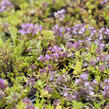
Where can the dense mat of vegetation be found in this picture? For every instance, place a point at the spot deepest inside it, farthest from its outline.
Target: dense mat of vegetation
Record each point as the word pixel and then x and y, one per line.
pixel 54 54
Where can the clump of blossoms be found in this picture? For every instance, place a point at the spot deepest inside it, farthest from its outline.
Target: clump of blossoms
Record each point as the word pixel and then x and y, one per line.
pixel 79 30
pixel 31 81
pixel 93 32
pixel 47 88
pixel 58 31
pixel 2 94
pixel 67 95
pixel 4 4
pixel 60 14
pixel 105 86
pixel 3 84
pixel 84 30
pixel 104 58
pixel 29 104
pixel 29 28
pixel 103 2
pixel 103 33
pixel 56 102
pixel 77 44
pixel 53 53
pixel 85 88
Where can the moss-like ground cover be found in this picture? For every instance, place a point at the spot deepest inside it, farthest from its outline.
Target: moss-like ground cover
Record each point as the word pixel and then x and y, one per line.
pixel 54 54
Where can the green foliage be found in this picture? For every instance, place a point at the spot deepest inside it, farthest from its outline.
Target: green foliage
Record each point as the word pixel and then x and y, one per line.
pixel 13 32
pixel 44 67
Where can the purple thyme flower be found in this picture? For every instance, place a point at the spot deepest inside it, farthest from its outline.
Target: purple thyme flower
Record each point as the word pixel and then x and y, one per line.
pixel 101 68
pixel 86 84
pixel 92 62
pixel 78 29
pixel 32 66
pixel 49 67
pixel 36 28
pixel 69 97
pixel 64 54
pixel 1 94
pixel 31 81
pixel 60 14
pixel 106 82
pixel 4 4
pixel 85 64
pixel 2 84
pixel 47 57
pixel 89 88
pixel 103 32
pixel 41 58
pixel 26 100
pixel 27 28
pixel 67 29
pixel 101 45
pixel 105 92
pixel 62 79
pixel 56 102
pixel 28 103
pixel 93 31
pixel 69 44
pixel 77 44
pixel 84 76
pixel 31 106
pixel 101 58
pixel 52 75
pixel 56 49
pixel 91 93
pixel 107 107
pixel 98 50
pixel 43 70
pixel 48 89
pixel 76 95
pixel 58 31
pixel 103 2
pixel 105 86
pixel 56 55
pixel 94 82
pixel 78 81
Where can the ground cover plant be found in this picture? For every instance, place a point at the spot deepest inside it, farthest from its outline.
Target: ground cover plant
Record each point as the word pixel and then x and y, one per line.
pixel 54 54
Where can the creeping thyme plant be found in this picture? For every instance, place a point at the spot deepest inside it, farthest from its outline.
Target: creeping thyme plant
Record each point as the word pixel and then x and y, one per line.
pixel 54 54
